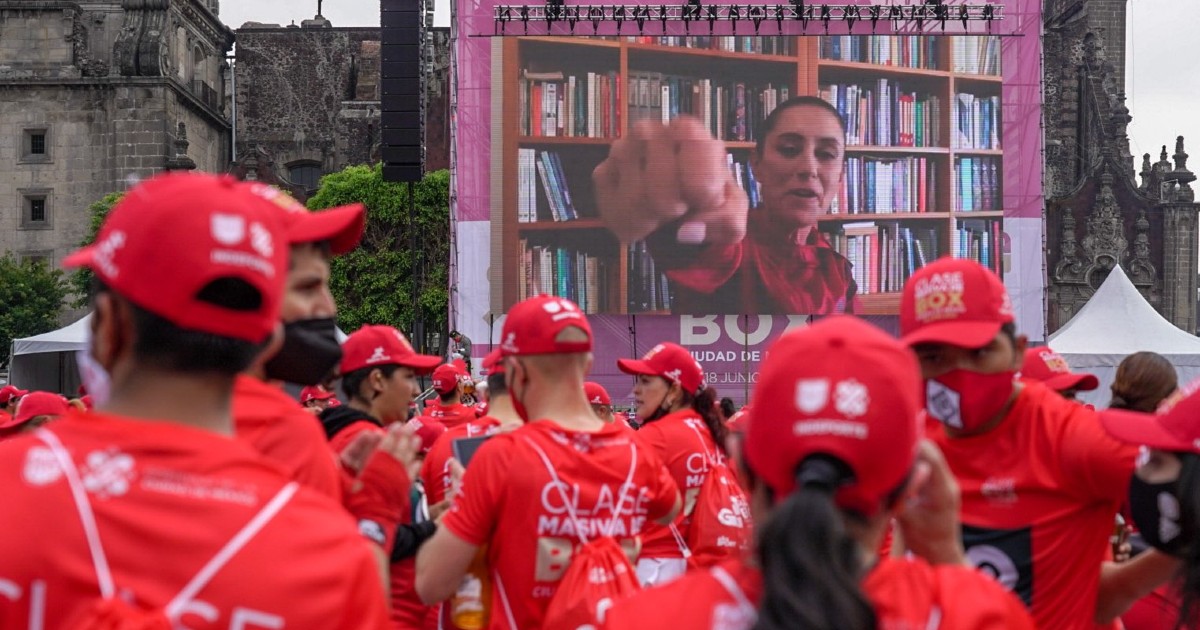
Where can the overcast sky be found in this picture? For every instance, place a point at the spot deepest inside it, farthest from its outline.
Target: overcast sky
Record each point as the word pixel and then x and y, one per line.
pixel 1162 80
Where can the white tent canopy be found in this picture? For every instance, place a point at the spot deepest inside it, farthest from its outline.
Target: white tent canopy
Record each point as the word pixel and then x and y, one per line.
pixel 47 361
pixel 1115 323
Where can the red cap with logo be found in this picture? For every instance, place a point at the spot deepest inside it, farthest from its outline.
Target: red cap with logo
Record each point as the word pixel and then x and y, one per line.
pixel 314 392
pixel 670 361
pixel 373 346
pixel 534 326
pixel 37 404
pixel 859 403
pixel 1047 366
pixel 446 378
pixel 1174 427
pixel 954 301
pixel 341 227
pixel 9 392
pixel 428 429
pixel 596 394
pixel 174 243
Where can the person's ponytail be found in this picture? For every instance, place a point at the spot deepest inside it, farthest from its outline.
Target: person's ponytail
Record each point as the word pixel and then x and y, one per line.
pixel 811 566
pixel 1188 494
pixel 705 404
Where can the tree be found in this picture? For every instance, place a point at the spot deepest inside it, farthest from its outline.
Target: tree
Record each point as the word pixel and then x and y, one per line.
pixel 32 294
pixel 81 279
pixel 375 283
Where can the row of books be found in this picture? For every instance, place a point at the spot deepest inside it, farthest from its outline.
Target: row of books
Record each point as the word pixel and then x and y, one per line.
pixel 536 167
pixel 730 109
pixel 740 168
pixel 976 121
pixel 884 186
pixel 884 255
pixel 758 45
pixel 578 105
pixel 977 184
pixel 648 288
pixel 903 51
pixel 573 274
pixel 977 240
pixel 884 114
pixel 976 55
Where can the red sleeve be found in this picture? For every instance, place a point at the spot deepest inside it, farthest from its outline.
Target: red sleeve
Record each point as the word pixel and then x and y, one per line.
pixel 651 439
pixel 479 502
pixel 344 437
pixel 433 470
pixel 702 269
pixel 969 599
pixel 1096 466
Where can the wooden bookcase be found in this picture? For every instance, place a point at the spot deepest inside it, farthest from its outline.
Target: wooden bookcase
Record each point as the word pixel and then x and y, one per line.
pixel 803 71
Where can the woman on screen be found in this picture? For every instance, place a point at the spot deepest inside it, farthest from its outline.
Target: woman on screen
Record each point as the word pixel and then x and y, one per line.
pixel 671 186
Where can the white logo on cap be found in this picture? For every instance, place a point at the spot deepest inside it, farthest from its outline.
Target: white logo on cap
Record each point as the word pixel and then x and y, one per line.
pixel 107 473
pixel 41 467
pixel 812 395
pixel 402 340
pixel 510 343
pixel 674 375
pixel 378 356
pixel 851 398
pixel 105 250
pixel 261 241
pixel 596 400
pixel 228 229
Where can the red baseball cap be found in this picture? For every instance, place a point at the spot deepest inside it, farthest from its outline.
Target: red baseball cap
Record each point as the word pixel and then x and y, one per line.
pixel 172 237
pixel 1174 427
pixel 9 392
pixel 1047 366
pixel 737 422
pixel 428 429
pixel 446 377
pixel 954 301
pixel 342 226
pixel 859 403
pixel 492 363
pixel 314 392
pixel 37 404
pixel 670 361
pixel 372 346
pixel 596 394
pixel 533 327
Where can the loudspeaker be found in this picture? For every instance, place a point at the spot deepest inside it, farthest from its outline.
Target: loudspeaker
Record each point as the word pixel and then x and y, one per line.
pixel 402 89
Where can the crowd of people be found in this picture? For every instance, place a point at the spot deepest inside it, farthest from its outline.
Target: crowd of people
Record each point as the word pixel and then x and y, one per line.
pixel 943 479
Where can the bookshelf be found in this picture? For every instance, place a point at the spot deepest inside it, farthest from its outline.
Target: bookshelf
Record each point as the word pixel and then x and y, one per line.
pixel 923 175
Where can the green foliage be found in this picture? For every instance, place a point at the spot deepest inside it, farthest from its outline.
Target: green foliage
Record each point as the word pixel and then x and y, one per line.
pixel 32 295
pixel 81 279
pixel 375 283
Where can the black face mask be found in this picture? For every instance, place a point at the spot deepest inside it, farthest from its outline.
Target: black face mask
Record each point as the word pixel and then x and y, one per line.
pixel 1155 510
pixel 310 352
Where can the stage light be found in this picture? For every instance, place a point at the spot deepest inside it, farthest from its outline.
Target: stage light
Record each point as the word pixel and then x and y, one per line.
pixel 851 15
pixel 941 13
pixel 639 15
pixel 524 12
pixel 779 17
pixel 712 17
pixel 874 12
pixel 757 15
pixel 662 13
pixel 619 16
pixel 826 15
pixel 964 15
pixel 596 15
pixel 735 14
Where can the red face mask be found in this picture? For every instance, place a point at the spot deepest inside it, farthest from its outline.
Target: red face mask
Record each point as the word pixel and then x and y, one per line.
pixel 965 400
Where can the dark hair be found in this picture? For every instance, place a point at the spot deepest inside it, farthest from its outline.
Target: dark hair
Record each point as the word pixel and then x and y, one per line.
pixel 496 383
pixel 352 381
pixel 727 407
pixel 1142 381
pixel 811 566
pixel 705 404
pixel 448 396
pixel 768 125
pixel 162 345
pixel 1188 494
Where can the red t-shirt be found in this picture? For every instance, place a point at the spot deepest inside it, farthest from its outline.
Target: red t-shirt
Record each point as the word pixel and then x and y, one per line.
pixel 278 427
pixel 906 594
pixel 684 444
pixel 166 499
pixel 1039 493
pixel 510 502
pixel 435 472
pixel 450 415
pixel 343 438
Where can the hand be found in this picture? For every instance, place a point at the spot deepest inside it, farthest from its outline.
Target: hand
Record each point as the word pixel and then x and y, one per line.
pixel 354 456
pixel 929 519
pixel 437 510
pixel 402 444
pixel 665 173
pixel 456 474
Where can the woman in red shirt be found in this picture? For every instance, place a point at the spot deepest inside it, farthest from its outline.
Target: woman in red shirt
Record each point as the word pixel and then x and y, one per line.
pixel 830 452
pixel 680 423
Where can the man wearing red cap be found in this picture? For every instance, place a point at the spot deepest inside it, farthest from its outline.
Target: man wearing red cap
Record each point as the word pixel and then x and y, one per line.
pixel 10 395
pixel 520 486
pixel 448 409
pixel 1050 369
pixel 599 399
pixel 1041 481
pixel 173 518
pixel 33 411
pixel 316 399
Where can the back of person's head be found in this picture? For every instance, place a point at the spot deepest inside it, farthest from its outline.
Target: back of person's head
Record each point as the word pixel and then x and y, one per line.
pixel 446 382
pixel 1143 380
pixel 728 408
pixel 194 264
pixel 832 435
pixel 547 332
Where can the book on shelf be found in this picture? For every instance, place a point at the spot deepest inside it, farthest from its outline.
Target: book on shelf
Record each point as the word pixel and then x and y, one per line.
pixel 977 184
pixel 976 55
pixel 884 254
pixel 873 185
pixel 884 113
pixel 731 110
pixel 542 172
pixel 648 288
pixel 978 239
pixel 902 51
pixel 976 121
pixel 582 105
pixel 744 176
pixel 576 275
pixel 756 45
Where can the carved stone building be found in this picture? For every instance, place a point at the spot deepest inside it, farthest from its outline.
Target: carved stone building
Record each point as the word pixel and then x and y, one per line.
pixel 1097 214
pixel 96 95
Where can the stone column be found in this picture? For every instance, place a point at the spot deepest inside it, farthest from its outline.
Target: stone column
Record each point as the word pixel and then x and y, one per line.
pixel 1179 264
